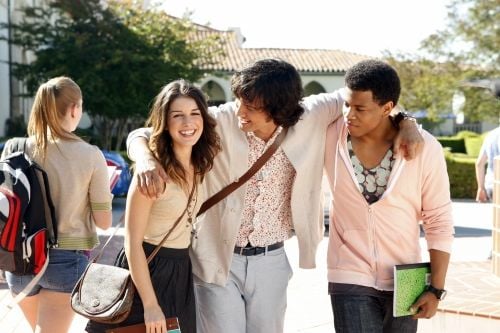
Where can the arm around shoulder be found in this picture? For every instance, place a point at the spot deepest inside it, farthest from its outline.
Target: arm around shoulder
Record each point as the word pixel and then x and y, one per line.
pixel 137 143
pixel 151 176
pixel 327 106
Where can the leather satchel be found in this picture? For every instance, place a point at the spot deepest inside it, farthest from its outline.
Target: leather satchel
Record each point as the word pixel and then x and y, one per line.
pixel 105 293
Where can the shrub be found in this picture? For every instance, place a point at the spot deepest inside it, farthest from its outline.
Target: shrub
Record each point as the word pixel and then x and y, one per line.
pixel 466 134
pixel 462 175
pixel 456 145
pixel 15 126
pixel 466 142
pixel 473 145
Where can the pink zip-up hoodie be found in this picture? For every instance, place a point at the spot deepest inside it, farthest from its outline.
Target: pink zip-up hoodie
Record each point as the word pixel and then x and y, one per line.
pixel 366 241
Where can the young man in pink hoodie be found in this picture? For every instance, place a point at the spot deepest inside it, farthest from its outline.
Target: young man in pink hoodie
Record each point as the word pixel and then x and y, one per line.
pixel 378 203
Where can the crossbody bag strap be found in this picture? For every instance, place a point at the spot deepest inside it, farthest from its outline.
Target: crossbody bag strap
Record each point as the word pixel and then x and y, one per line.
pixel 122 220
pixel 214 199
pixel 115 230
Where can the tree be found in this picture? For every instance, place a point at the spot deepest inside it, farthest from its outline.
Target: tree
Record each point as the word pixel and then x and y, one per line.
pixel 118 53
pixel 426 84
pixel 471 41
pixel 466 49
pixel 472 35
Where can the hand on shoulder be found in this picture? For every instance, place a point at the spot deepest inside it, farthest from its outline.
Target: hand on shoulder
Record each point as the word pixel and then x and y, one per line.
pixel 151 177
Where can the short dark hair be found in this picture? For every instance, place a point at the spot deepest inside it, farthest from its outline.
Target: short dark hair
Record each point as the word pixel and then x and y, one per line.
pixel 375 76
pixel 275 84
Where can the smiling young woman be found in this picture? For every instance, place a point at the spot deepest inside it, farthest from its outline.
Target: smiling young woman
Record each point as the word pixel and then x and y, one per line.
pixel 184 141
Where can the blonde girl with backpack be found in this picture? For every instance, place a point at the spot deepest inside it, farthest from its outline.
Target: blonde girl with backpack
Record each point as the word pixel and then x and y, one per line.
pixel 80 190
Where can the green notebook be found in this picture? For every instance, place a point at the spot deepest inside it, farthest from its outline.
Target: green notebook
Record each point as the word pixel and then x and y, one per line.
pixel 410 282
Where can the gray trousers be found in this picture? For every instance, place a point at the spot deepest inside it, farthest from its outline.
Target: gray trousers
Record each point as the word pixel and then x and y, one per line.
pixel 253 299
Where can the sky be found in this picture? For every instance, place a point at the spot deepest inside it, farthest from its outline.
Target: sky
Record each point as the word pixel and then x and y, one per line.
pixel 365 27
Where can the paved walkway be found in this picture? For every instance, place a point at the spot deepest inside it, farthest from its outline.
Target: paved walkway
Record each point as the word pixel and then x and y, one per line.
pixel 474 292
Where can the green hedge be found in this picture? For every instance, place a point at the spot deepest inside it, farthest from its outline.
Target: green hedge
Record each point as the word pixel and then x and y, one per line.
pixel 473 146
pixel 466 134
pixel 461 151
pixel 462 174
pixel 465 142
pixel 456 145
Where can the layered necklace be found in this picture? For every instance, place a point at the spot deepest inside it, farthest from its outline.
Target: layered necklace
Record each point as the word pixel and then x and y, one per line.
pixel 193 198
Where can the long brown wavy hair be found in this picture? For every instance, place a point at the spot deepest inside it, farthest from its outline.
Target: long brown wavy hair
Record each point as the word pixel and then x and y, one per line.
pixel 160 142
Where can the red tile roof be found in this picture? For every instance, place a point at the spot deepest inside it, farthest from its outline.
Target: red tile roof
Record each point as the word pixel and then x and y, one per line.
pixel 305 60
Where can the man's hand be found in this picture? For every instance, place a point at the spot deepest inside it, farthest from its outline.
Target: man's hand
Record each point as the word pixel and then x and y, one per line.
pixel 426 306
pixel 409 141
pixel 151 177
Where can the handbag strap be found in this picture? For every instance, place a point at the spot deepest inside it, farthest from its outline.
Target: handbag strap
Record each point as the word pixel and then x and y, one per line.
pixel 115 230
pixel 150 257
pixel 246 176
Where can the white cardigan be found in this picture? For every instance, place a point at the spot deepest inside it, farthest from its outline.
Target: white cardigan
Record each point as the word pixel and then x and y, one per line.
pixel 304 146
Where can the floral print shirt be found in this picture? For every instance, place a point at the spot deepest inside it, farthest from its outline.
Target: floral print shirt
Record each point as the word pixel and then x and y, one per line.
pixel 267 213
pixel 372 182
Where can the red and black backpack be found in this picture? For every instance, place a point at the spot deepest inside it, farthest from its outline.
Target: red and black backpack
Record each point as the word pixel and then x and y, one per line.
pixel 27 217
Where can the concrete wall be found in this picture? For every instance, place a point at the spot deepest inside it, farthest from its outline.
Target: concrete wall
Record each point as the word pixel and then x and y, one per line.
pixel 4 72
pixel 495 231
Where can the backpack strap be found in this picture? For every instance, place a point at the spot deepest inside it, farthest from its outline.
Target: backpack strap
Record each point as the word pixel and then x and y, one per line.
pixel 51 225
pixel 18 144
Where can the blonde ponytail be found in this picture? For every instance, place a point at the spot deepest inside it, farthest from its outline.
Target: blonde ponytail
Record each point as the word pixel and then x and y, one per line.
pixel 51 103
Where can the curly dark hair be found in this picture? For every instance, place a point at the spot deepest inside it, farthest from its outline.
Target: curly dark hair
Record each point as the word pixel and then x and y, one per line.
pixel 160 142
pixel 276 85
pixel 375 76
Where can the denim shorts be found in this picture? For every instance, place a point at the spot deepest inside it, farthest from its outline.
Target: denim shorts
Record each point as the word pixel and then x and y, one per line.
pixel 63 271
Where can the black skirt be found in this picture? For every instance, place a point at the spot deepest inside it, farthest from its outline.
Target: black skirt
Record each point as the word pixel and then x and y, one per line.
pixel 172 279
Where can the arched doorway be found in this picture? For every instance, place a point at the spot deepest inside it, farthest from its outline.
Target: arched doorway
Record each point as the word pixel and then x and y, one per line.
pixel 215 93
pixel 313 88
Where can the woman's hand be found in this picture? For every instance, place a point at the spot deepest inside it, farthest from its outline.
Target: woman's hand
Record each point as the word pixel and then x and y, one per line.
pixel 154 319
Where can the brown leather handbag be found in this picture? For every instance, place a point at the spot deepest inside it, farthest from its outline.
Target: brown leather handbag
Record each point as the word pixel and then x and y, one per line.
pixel 105 293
